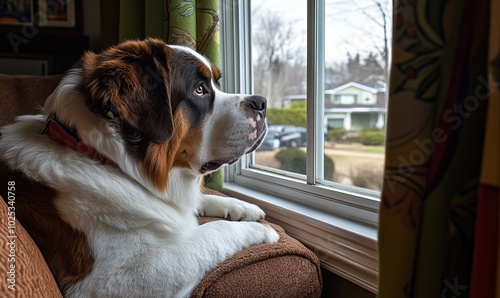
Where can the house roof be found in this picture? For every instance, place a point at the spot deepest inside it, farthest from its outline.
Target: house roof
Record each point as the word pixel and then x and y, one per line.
pixel 377 87
pixel 352 84
pixel 295 97
pixel 355 109
pixel 380 85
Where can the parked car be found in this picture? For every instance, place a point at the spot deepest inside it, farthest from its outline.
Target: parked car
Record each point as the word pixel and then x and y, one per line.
pixel 294 137
pixel 284 136
pixel 271 141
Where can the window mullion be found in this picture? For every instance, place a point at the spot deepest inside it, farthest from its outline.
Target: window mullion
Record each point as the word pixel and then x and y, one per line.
pixel 245 55
pixel 315 89
pixel 236 52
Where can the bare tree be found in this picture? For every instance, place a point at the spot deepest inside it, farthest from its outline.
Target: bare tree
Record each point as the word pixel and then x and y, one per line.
pixel 378 13
pixel 382 19
pixel 279 63
pixel 366 69
pixel 279 52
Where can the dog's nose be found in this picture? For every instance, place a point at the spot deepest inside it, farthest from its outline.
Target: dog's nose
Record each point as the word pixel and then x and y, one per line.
pixel 256 102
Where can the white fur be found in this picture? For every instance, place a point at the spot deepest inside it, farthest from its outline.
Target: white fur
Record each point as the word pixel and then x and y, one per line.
pixel 145 243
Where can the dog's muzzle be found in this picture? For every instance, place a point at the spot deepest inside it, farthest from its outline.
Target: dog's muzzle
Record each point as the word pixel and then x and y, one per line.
pixel 256 120
pixel 233 136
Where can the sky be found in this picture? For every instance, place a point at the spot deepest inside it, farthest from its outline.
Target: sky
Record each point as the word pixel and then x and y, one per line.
pixel 349 24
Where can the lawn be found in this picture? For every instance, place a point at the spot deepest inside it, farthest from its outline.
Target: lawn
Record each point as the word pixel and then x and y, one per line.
pixel 357 147
pixel 354 164
pixel 354 170
pixel 373 149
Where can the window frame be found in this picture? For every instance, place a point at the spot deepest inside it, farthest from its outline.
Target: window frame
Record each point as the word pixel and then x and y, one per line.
pixel 335 222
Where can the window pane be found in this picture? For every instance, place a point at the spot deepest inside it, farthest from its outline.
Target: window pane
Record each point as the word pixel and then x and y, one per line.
pixel 279 71
pixel 357 43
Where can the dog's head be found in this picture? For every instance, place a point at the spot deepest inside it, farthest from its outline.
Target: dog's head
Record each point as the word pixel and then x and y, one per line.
pixel 163 105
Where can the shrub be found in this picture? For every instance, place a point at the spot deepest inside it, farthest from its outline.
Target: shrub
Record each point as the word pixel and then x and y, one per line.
pixel 372 137
pixel 336 134
pixel 295 115
pixel 329 168
pixel 286 117
pixel 367 176
pixel 294 160
pixel 360 181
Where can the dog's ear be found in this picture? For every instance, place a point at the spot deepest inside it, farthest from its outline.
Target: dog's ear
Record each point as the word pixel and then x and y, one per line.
pixel 131 82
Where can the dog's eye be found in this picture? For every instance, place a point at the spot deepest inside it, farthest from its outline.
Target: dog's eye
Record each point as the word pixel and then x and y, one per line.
pixel 199 90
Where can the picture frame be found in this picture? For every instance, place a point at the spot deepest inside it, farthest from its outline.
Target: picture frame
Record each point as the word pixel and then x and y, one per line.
pixel 56 13
pixel 17 12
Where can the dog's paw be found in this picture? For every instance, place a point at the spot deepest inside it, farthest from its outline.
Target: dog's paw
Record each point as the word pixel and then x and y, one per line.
pixel 271 236
pixel 261 233
pixel 256 233
pixel 243 211
pixel 231 209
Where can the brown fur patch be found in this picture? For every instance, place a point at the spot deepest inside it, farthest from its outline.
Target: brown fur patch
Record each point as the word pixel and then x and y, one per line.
pixel 157 164
pixel 131 81
pixel 179 151
pixel 205 70
pixel 216 73
pixel 65 250
pixel 188 148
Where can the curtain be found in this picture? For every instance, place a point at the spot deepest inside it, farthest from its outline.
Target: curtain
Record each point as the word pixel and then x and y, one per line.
pixel 439 212
pixel 190 23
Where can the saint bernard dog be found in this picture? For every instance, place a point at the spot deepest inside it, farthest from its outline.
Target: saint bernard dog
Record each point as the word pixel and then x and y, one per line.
pixel 108 178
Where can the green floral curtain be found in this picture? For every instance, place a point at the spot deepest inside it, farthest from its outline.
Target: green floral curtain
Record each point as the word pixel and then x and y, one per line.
pixel 194 24
pixel 190 23
pixel 439 213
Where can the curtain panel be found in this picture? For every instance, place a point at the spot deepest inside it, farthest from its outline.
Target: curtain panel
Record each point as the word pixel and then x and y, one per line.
pixel 438 223
pixel 190 23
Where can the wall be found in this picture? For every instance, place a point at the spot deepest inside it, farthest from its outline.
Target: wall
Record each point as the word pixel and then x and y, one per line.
pixel 360 121
pixel 92 23
pixel 360 95
pixel 335 286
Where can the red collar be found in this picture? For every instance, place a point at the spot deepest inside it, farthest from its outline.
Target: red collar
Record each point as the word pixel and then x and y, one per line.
pixel 68 137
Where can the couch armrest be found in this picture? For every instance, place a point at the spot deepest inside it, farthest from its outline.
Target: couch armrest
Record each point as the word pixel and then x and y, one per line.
pixel 30 276
pixel 285 269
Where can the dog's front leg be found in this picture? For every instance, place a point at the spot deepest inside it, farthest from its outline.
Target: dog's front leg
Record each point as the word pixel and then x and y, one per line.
pixel 229 208
pixel 213 242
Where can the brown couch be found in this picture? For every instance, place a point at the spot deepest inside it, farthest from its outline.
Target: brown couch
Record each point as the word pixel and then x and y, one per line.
pixel 285 269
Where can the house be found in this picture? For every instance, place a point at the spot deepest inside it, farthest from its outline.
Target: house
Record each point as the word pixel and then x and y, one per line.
pixel 356 105
pixel 352 106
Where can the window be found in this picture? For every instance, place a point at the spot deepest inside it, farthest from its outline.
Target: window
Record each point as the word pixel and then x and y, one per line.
pixel 336 99
pixel 346 99
pixel 351 155
pixel 316 62
pixel 368 98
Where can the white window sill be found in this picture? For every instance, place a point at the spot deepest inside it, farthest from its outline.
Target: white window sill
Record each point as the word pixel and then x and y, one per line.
pixel 344 247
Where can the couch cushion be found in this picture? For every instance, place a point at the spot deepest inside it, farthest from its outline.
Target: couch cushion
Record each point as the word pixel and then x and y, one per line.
pixel 32 277
pixel 20 94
